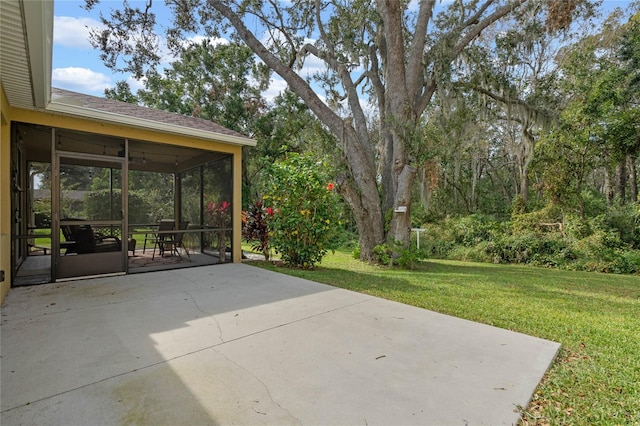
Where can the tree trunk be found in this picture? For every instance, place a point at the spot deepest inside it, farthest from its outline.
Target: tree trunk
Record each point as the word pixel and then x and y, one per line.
pixel 525 155
pixel 621 180
pixel 608 186
pixel 400 225
pixel 633 179
pixel 370 227
pixel 398 123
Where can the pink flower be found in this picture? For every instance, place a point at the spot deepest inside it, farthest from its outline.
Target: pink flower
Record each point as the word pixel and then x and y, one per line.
pixel 330 186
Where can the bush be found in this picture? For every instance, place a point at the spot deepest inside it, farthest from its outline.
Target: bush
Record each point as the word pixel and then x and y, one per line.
pixel 356 252
pixel 477 253
pixel 255 228
pixel 541 250
pixel 304 222
pixel 42 213
pixel 533 222
pixel 473 229
pixel 397 254
pixel 382 254
pixel 625 220
pixel 604 243
pixel 578 228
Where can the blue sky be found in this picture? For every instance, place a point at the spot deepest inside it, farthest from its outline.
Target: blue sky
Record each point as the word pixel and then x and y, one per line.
pixel 77 66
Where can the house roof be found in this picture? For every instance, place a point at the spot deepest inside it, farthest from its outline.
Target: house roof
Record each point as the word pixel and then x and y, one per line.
pixel 26 40
pixel 109 110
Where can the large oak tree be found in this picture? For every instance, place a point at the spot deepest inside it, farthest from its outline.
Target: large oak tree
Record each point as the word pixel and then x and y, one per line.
pixel 385 56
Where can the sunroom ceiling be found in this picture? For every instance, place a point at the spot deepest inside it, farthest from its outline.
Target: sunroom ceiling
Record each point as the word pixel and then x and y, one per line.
pixel 143 155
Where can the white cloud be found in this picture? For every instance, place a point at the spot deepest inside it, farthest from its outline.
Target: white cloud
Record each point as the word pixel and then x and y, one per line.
pixel 276 86
pixel 81 80
pixel 198 39
pixel 73 32
pixel 136 84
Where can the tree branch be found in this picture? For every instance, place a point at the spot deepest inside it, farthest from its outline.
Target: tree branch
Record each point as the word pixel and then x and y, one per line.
pixel 481 25
pixel 416 52
pixel 298 85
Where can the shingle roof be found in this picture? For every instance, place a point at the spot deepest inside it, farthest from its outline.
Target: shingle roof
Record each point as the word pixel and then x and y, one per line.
pixel 112 107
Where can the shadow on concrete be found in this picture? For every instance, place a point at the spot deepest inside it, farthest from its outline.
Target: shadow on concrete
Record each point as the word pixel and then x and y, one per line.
pixel 88 349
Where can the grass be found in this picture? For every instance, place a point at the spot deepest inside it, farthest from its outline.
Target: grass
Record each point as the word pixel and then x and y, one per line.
pixel 596 318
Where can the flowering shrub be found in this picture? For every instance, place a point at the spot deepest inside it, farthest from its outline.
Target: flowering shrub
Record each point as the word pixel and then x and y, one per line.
pixel 255 228
pixel 304 219
pixel 219 214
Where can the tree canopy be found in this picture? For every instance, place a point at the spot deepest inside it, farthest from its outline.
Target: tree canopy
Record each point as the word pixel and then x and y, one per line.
pixel 387 69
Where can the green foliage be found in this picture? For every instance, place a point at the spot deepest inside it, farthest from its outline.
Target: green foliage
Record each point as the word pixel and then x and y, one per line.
pixel 531 248
pixel 519 206
pixel 470 230
pixel 578 228
pixel 538 220
pixel 255 228
pixel 42 213
pixel 122 92
pixel 398 254
pixel 625 219
pixel 303 200
pixel 408 257
pixel 598 126
pixel 355 253
pixel 546 237
pixel 383 254
pixel 106 205
pixel 214 82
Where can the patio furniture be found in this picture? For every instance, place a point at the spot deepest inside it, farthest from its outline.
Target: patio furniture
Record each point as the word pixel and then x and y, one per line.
pixel 175 240
pixel 131 246
pixel 82 239
pixel 159 237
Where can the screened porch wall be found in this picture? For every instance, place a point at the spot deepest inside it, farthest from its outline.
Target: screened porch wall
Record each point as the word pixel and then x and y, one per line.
pixel 206 193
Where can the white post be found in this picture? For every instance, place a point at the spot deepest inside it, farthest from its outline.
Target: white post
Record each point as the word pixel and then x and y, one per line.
pixel 418 231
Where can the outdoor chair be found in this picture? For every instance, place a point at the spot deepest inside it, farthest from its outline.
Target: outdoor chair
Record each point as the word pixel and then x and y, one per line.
pixel 175 240
pixel 82 239
pixel 159 238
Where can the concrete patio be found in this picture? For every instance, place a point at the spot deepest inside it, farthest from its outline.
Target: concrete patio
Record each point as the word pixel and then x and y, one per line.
pixel 235 344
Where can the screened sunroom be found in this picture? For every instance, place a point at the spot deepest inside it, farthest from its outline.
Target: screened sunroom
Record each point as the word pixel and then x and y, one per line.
pixel 92 203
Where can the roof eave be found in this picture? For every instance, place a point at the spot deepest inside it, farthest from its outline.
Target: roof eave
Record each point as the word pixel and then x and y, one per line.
pixel 113 118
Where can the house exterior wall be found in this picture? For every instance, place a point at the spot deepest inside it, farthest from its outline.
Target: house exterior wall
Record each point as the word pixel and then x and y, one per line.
pixel 75 123
pixel 5 194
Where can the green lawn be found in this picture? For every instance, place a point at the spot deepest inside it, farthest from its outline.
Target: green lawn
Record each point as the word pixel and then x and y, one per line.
pixel 596 318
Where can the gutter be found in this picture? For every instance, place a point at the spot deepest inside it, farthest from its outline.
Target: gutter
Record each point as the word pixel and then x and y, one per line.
pixel 38 22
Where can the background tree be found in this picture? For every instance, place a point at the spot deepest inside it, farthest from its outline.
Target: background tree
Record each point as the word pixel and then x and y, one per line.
pixel 122 92
pixel 599 122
